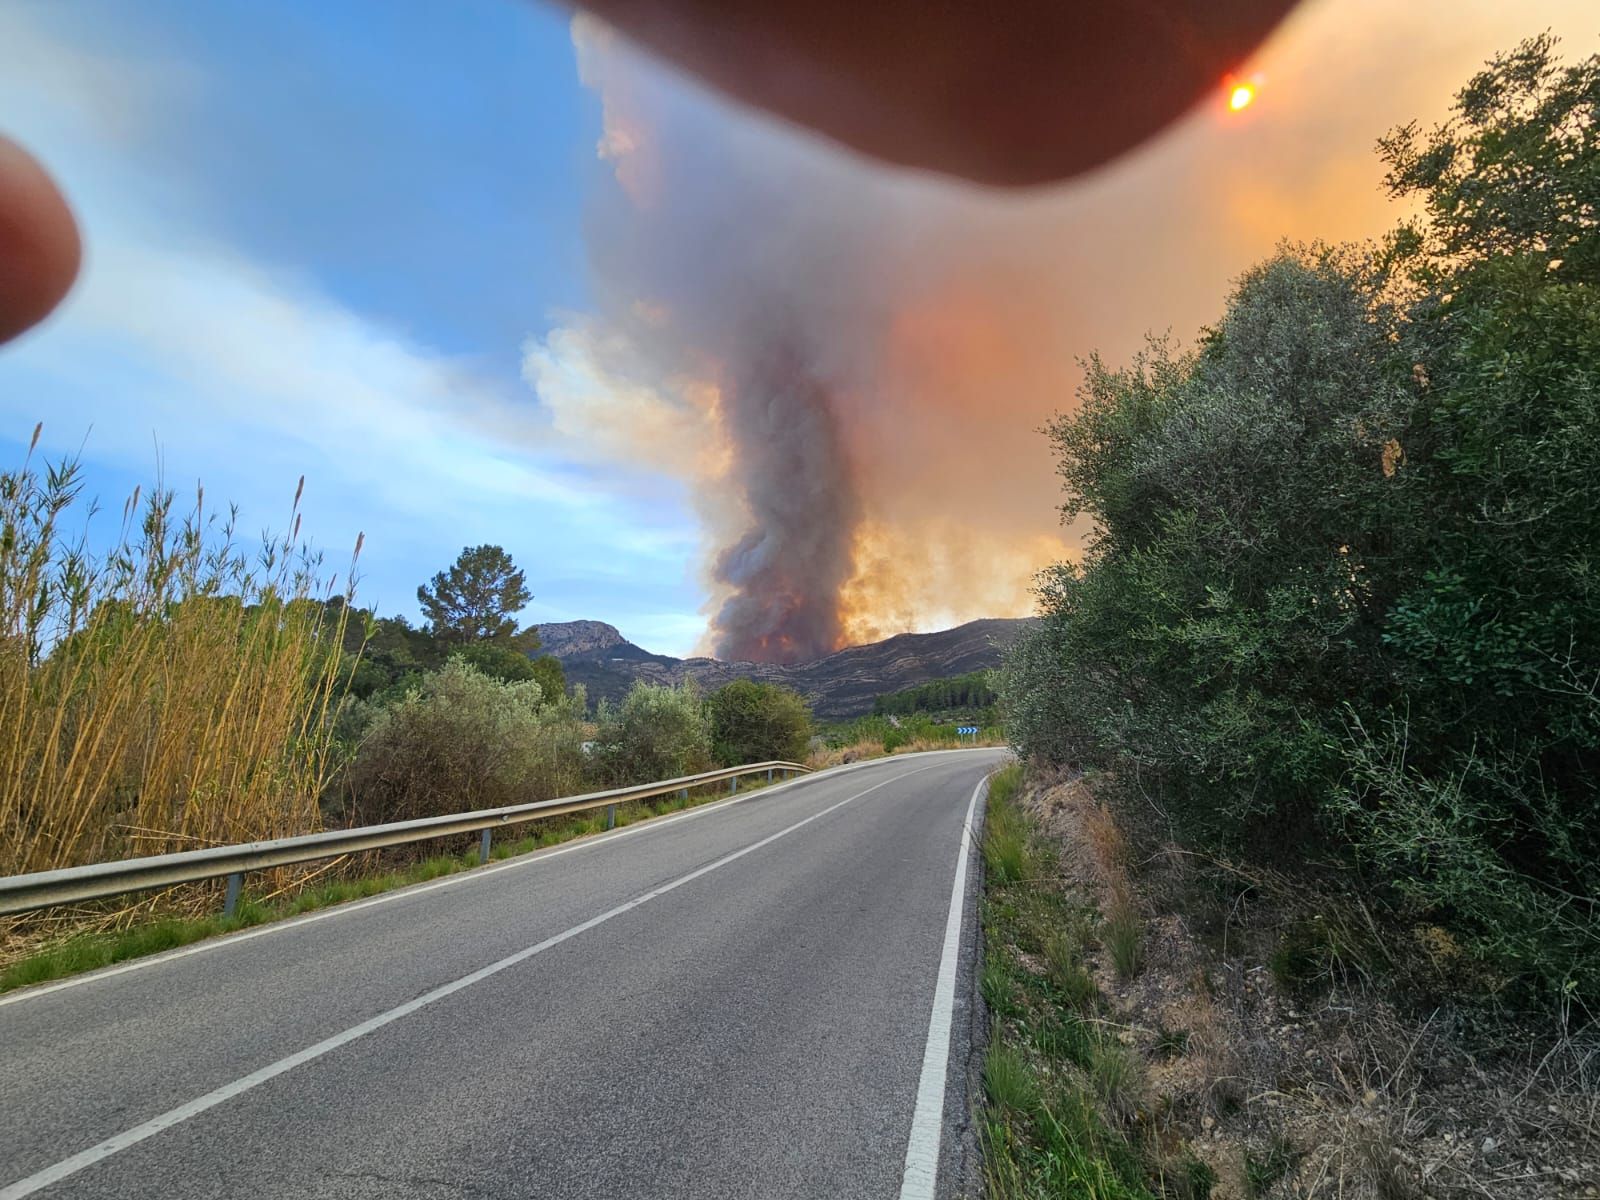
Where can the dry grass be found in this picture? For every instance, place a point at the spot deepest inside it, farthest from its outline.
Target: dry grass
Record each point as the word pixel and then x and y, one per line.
pixel 960 743
pixel 1287 1053
pixel 168 693
pixel 1124 931
pixel 834 756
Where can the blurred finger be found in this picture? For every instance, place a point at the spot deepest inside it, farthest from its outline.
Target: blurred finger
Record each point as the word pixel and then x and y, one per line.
pixel 1006 92
pixel 39 247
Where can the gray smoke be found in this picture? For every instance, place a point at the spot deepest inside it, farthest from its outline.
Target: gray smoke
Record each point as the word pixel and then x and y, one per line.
pixel 726 259
pixel 789 566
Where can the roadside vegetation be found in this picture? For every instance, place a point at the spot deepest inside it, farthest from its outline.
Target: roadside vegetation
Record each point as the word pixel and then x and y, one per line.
pixel 181 689
pixel 1341 603
pixel 876 735
pixel 1170 1025
pixel 1064 1113
pixel 172 692
pixel 177 686
pixel 756 722
pixel 1329 676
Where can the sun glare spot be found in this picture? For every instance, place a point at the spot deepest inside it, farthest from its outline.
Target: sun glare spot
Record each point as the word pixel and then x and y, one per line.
pixel 1241 97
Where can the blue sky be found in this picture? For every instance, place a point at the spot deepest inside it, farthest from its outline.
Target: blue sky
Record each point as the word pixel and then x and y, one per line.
pixel 319 237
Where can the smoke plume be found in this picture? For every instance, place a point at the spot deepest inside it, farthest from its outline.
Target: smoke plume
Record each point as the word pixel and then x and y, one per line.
pixel 849 366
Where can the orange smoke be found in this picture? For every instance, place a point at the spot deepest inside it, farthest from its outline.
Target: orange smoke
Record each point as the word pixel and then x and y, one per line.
pixel 885 348
pixel 939 573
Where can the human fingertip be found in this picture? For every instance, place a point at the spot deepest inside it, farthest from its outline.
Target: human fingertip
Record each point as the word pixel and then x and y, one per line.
pixel 40 250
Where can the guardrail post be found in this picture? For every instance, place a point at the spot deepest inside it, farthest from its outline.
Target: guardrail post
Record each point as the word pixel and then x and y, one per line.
pixel 230 902
pixel 733 785
pixel 483 846
pixel 684 795
pixel 769 774
pixel 611 816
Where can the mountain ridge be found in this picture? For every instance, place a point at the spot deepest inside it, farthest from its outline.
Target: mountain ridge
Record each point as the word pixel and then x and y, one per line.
pixel 841 684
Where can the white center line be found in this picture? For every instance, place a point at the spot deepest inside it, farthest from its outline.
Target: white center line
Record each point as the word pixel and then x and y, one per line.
pixel 927 1119
pixel 121 1141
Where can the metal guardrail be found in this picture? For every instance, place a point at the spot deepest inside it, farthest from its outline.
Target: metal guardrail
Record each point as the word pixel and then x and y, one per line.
pixel 42 889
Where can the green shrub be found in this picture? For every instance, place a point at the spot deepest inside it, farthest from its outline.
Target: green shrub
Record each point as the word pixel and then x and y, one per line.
pixel 1235 495
pixel 511 663
pixel 757 722
pixel 1194 1180
pixel 1443 842
pixel 1004 785
pixel 1264 1168
pixel 1066 1039
pixel 1308 952
pixel 657 732
pixel 1078 1156
pixel 461 741
pixel 1117 1076
pixel 1007 848
pixel 1170 1043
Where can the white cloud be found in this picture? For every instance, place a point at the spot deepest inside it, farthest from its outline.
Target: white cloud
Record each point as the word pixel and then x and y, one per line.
pixel 248 374
pixel 598 401
pixel 246 356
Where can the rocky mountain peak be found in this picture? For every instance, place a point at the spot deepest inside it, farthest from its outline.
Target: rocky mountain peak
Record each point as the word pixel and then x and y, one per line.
pixel 578 639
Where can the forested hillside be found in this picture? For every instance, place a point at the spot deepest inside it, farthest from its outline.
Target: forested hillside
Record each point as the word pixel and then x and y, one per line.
pixel 971 694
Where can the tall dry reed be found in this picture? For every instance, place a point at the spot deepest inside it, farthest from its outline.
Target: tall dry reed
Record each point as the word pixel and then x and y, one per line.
pixel 170 691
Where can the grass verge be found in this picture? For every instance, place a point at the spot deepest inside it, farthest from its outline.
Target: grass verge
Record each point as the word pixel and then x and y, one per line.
pixel 1062 1094
pixel 90 951
pixel 1171 1026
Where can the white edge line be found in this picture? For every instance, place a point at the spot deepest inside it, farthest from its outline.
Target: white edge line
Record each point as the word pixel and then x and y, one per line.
pixel 927 1118
pixel 138 1133
pixel 476 873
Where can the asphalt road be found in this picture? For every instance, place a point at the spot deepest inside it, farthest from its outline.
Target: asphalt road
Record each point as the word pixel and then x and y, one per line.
pixel 733 1002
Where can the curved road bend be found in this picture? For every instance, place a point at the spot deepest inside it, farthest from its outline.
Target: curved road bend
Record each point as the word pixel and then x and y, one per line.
pixel 734 1002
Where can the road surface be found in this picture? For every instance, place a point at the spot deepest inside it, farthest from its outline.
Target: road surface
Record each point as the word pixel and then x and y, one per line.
pixel 765 998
